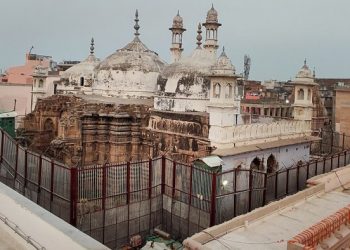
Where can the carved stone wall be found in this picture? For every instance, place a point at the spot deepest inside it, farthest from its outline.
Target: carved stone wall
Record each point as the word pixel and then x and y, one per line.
pixel 182 136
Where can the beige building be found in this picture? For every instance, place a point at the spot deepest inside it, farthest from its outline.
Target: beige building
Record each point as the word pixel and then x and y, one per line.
pixel 341 110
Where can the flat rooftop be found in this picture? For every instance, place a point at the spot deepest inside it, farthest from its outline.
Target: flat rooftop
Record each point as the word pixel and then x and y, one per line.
pixel 21 218
pixel 272 226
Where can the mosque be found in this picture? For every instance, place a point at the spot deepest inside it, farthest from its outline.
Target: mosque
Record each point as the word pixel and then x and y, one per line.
pixel 133 105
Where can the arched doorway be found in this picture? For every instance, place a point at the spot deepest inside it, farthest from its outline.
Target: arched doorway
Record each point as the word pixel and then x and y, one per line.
pixel 256 164
pixel 272 164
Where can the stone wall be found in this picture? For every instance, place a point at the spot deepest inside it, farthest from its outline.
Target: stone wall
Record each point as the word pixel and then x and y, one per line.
pixel 183 136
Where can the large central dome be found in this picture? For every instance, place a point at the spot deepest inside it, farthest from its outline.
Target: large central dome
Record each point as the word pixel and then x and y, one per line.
pixel 135 56
pixel 130 72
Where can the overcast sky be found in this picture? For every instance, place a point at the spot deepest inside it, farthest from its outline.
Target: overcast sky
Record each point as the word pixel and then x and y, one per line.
pixel 277 34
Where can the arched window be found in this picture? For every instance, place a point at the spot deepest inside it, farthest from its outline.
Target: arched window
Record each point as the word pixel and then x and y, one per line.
pixel 228 92
pixel 256 164
pixel 308 94
pixel 81 81
pixel 41 83
pixel 217 90
pixel 272 164
pixel 300 94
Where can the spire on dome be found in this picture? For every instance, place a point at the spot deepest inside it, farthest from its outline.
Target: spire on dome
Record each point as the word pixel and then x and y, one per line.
pixel 199 36
pixel 223 52
pixel 92 48
pixel 136 26
pixel 305 65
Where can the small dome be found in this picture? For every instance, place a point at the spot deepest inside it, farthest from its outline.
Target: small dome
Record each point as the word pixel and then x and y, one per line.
pixel 304 72
pixel 212 15
pixel 223 65
pixel 304 76
pixel 178 21
pixel 199 63
pixel 84 68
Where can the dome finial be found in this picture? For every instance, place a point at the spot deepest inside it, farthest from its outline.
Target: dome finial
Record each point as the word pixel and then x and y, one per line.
pixel 136 26
pixel 305 62
pixel 223 52
pixel 92 48
pixel 199 36
pixel 178 12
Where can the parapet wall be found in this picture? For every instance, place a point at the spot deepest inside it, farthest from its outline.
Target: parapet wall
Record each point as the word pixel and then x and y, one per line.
pixel 258 133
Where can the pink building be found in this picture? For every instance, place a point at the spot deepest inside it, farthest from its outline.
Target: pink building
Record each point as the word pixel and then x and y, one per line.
pixel 23 74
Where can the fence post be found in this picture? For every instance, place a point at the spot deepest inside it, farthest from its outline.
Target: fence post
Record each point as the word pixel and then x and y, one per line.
pixel 163 174
pixel 343 146
pixel 2 145
pixel 321 142
pixel 150 166
pixel 39 179
pixel 16 168
pixel 338 160
pixel 316 166
pixel 73 195
pixel 190 198
pixel 265 187
pixel 250 189
pixel 324 165
pixel 332 141
pixel 331 162
pixel 213 200
pixel 235 194
pixel 307 170
pixel 104 187
pixel 173 195
pixel 298 175
pixel 25 171
pixel 51 182
pixel 345 158
pixel 128 190
pixel 287 182
pixel 276 185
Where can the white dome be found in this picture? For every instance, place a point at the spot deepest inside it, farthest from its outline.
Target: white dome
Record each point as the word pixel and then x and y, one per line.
pixel 188 77
pixel 85 68
pixel 178 21
pixel 304 72
pixel 135 56
pixel 212 15
pixel 129 72
pixel 305 76
pixel 223 66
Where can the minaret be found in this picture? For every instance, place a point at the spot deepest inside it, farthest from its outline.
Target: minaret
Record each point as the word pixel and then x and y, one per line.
pixel 39 88
pixel 223 106
pixel 176 44
pixel 304 84
pixel 212 25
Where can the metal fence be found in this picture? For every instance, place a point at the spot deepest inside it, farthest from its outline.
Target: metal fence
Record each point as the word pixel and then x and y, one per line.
pixel 113 202
pixel 42 180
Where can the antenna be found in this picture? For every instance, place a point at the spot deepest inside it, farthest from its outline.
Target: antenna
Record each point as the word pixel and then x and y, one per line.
pixel 31 48
pixel 247 63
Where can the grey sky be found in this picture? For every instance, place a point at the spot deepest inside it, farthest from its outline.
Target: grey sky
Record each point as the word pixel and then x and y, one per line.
pixel 277 34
